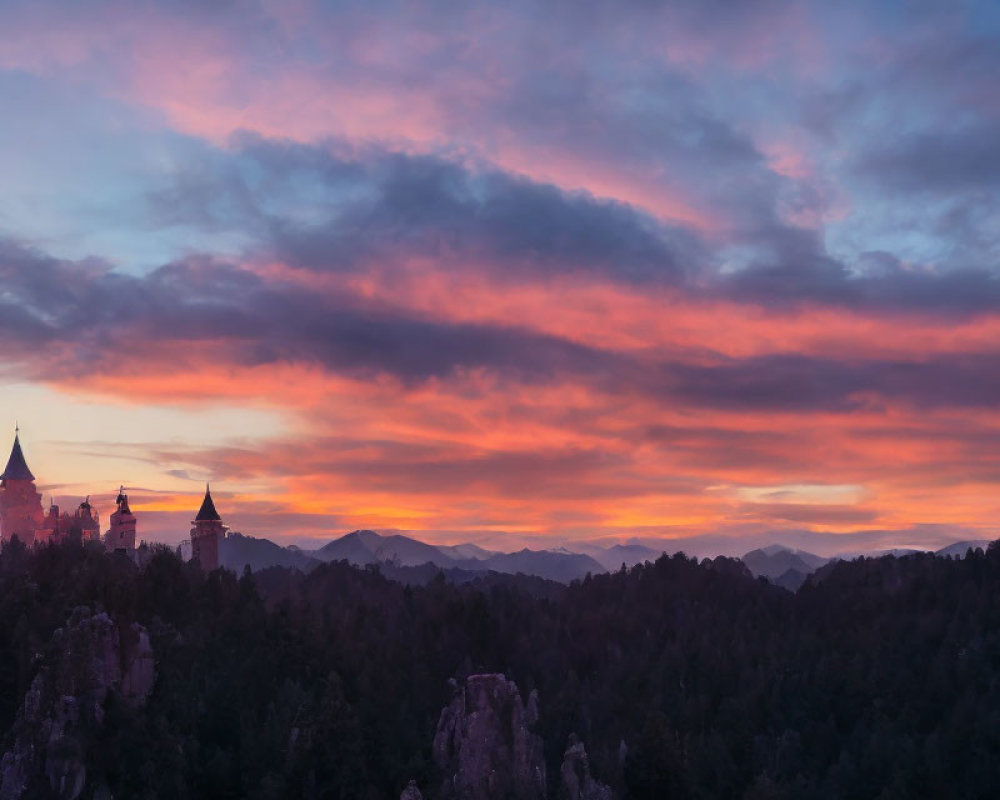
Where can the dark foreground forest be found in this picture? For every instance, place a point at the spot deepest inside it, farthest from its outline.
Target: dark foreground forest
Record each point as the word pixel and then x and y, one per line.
pixel 879 679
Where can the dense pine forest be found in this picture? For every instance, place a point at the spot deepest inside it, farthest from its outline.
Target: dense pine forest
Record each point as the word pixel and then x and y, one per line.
pixel 880 678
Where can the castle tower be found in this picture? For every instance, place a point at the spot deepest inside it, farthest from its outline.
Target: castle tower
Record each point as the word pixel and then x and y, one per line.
pixel 88 522
pixel 121 537
pixel 20 504
pixel 208 530
pixel 52 519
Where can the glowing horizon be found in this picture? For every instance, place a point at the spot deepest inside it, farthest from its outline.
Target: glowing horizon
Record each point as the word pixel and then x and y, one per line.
pixel 518 275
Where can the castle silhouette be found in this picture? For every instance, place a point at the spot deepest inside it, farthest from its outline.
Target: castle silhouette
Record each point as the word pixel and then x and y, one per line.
pixel 21 515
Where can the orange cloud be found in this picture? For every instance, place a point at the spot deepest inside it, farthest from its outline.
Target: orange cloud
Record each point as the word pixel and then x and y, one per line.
pixel 475 450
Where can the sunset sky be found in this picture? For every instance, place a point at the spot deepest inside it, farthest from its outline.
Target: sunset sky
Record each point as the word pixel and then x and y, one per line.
pixel 512 273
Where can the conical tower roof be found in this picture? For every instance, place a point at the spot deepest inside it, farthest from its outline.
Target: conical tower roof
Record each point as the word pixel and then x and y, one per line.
pixel 17 468
pixel 207 511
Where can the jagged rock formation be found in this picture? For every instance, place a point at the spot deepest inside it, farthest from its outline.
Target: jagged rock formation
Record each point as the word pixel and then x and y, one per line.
pixel 411 792
pixel 140 666
pixel 575 780
pixel 65 705
pixel 484 747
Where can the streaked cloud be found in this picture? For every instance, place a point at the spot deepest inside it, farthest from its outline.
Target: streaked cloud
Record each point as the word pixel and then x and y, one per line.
pixel 536 271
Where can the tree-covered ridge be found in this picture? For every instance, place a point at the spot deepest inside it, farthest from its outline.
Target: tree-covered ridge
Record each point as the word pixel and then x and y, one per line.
pixel 878 679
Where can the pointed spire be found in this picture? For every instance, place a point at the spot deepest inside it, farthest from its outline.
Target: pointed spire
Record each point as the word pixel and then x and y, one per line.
pixel 17 468
pixel 207 511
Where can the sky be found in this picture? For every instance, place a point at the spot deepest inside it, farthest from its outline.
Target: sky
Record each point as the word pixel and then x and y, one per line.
pixel 519 274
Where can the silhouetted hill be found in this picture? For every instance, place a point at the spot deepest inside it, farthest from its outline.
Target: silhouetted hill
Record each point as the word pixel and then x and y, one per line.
pixel 237 551
pixel 959 549
pixel 821 574
pixel 898 552
pixel 407 552
pixel 530 585
pixel 612 558
pixel 484 580
pixel 423 574
pixel 369 547
pixel 562 567
pixel 465 551
pixel 414 562
pixel 774 561
pixel 791 579
pixel 357 547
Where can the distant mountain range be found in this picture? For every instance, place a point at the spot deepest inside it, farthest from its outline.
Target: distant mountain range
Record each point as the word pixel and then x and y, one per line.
pixel 612 558
pixel 402 555
pixel 368 547
pixel 789 568
pixel 413 561
pixel 775 560
pixel 237 551
pixel 783 566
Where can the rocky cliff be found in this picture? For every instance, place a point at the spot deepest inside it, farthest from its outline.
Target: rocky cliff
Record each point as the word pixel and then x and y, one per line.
pixel 64 706
pixel 575 780
pixel 484 746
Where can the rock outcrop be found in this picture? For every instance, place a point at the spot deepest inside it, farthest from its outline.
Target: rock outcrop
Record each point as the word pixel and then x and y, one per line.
pixel 64 707
pixel 484 747
pixel 140 666
pixel 411 792
pixel 575 780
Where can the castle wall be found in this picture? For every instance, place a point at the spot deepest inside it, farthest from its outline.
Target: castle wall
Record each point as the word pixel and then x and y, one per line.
pixel 20 511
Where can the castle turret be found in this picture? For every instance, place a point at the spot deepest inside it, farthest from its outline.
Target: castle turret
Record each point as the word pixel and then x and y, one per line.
pixel 121 537
pixel 88 522
pixel 50 526
pixel 208 530
pixel 20 504
pixel 52 519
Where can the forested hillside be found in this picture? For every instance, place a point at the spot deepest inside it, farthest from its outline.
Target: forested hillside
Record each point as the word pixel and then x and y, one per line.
pixel 879 679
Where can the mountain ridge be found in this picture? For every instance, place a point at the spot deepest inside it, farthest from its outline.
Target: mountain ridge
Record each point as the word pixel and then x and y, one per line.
pixel 783 566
